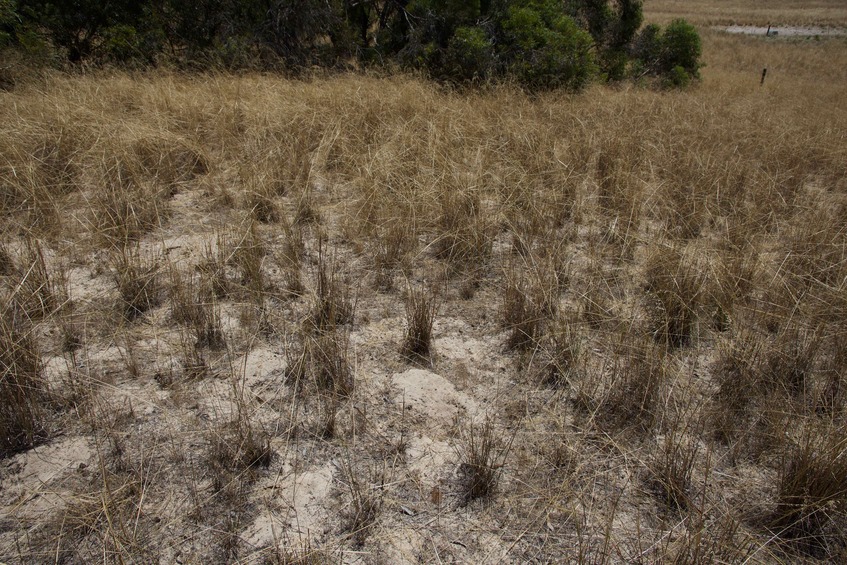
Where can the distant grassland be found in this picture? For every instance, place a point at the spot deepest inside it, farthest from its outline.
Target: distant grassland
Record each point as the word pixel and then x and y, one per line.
pixel 749 12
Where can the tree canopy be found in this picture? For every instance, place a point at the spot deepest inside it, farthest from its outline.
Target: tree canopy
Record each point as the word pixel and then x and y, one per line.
pixel 540 44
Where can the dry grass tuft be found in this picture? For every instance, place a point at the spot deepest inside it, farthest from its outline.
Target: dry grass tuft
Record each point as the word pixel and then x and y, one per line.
pixel 136 277
pixel 421 307
pixel 672 468
pixel 522 314
pixel 483 456
pixel 564 350
pixel 812 491
pixel 635 389
pixel 464 240
pixel 332 304
pixel 193 304
pixel 34 291
pixel 330 364
pixel 674 288
pixel 123 207
pixel 23 389
pixel 365 505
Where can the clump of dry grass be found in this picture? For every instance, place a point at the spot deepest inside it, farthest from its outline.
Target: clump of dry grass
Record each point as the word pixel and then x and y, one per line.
pixel 136 276
pixel 278 161
pixel 483 456
pixel 40 166
pixel 7 264
pixel 34 290
pixel 735 372
pixel 193 361
pixel 123 207
pixel 617 194
pixel 320 363
pixel 332 304
pixel 212 269
pixel 302 553
pixel 683 208
pixel 238 446
pixel 365 504
pixel 464 240
pixel 262 208
pixel 421 307
pixel 596 305
pixel 306 211
pixel 108 510
pixel 391 246
pixel 672 468
pixel 521 314
pixel 194 305
pixel 674 289
pixel 23 411
pixel 563 350
pixel 812 491
pixel 330 365
pixel 245 250
pixel 169 160
pixel 633 397
pixel 791 360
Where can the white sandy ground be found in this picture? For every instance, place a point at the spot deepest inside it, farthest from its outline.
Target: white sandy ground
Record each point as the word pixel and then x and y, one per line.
pixel 786 31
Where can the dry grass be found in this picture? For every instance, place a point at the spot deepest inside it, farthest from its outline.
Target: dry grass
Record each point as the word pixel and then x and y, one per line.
pixel 748 12
pixel 483 456
pixel 136 278
pixel 641 308
pixel 421 307
pixel 23 416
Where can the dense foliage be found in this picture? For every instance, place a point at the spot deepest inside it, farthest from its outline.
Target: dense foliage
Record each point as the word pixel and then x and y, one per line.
pixel 540 44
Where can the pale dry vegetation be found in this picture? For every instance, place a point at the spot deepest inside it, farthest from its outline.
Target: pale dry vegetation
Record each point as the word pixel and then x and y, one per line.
pixel 750 12
pixel 364 319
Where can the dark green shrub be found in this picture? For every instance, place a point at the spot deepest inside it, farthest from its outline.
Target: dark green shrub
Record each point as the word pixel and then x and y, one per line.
pixel 647 47
pixel 681 48
pixel 672 54
pixel 121 43
pixel 678 77
pixel 469 54
pixel 543 48
pixel 8 18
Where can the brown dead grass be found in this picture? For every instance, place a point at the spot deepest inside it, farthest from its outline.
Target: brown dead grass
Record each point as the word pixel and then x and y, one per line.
pixel 748 12
pixel 640 315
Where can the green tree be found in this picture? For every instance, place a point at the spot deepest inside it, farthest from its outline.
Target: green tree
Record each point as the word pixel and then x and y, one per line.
pixel 543 48
pixel 541 44
pixel 469 54
pixel 76 25
pixel 669 53
pixel 681 48
pixel 8 21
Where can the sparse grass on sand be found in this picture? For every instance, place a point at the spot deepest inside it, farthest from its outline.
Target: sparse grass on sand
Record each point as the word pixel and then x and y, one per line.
pixel 368 319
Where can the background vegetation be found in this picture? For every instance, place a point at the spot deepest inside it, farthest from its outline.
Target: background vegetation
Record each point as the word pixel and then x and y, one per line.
pixel 539 44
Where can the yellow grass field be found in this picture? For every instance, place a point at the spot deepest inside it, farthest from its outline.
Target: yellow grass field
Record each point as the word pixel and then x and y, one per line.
pixel 367 319
pixel 830 13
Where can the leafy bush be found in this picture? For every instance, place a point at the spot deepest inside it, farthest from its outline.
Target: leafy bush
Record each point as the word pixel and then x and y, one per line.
pixel 673 54
pixel 121 43
pixel 681 48
pixel 540 44
pixel 469 54
pixel 678 77
pixel 8 17
pixel 543 48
